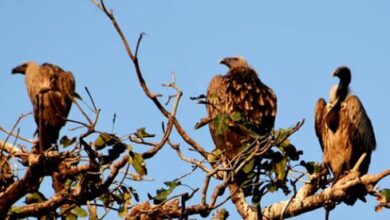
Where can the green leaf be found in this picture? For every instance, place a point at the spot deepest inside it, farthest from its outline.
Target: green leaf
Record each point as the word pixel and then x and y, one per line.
pixel 34 198
pixel 221 123
pixel 386 195
pixel 66 142
pixel 162 194
pixel 103 140
pixel 99 143
pixel 249 166
pixel 236 116
pixel 138 163
pixel 281 134
pixel 122 212
pixel 79 212
pixel 15 210
pixel 107 199
pixel 172 184
pixel 214 155
pixel 280 169
pixel 70 216
pixel 142 133
pixel 272 188
pixel 383 198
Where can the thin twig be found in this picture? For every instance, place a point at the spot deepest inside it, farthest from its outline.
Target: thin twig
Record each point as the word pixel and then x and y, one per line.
pixel 143 84
pixel 91 99
pixel 12 130
pixel 17 136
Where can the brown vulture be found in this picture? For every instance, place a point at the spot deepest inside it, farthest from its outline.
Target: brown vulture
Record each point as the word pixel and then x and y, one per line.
pixel 51 91
pixel 344 132
pixel 239 92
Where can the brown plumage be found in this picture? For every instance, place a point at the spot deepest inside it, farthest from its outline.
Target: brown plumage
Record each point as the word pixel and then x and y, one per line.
pixel 239 91
pixel 51 91
pixel 344 131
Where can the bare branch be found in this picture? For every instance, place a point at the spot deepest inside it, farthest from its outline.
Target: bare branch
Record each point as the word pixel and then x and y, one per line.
pixel 13 150
pixel 335 194
pixel 16 135
pixel 91 99
pixel 143 84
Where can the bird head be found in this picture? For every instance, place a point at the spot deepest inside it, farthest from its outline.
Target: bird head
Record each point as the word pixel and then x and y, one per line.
pixel 343 73
pixel 22 68
pixel 233 62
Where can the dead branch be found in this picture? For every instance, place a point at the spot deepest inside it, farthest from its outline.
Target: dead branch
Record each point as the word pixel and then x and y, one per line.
pixel 81 192
pixel 13 150
pixel 16 136
pixel 18 189
pixel 334 194
pixel 171 117
pixel 148 93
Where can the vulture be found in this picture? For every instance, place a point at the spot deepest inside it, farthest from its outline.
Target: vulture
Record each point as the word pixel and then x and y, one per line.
pixel 239 93
pixel 345 132
pixel 51 91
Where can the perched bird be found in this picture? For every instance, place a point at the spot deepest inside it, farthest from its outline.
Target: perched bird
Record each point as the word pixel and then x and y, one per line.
pixel 51 91
pixel 344 132
pixel 242 100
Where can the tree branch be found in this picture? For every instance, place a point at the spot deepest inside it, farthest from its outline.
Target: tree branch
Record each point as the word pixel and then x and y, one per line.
pixel 148 93
pixel 334 194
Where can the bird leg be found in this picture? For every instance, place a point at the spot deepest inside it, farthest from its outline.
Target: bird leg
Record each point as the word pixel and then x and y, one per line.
pixel 329 206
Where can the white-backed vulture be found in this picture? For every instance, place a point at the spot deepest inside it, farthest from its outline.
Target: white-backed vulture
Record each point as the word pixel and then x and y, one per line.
pixel 51 91
pixel 241 92
pixel 344 131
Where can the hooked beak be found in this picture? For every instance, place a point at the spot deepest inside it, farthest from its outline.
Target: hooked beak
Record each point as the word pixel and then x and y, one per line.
pixel 223 61
pixel 20 69
pixel 336 72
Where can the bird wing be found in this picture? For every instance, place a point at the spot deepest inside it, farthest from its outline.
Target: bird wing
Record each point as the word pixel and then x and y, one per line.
pixel 240 91
pixel 359 127
pixel 56 100
pixel 66 86
pixel 267 102
pixel 216 104
pixel 253 99
pixel 319 120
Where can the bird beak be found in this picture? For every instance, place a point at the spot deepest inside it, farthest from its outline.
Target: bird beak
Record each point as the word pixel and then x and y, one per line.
pixel 223 61
pixel 336 72
pixel 20 69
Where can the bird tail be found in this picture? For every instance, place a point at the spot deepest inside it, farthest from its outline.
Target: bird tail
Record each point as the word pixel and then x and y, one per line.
pixel 48 136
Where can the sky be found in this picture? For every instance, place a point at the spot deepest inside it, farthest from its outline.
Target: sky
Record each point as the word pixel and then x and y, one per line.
pixel 293 45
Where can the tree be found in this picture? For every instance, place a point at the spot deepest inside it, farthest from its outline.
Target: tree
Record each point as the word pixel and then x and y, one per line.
pixel 98 180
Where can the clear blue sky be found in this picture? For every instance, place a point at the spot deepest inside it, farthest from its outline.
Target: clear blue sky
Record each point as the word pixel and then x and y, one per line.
pixel 294 46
